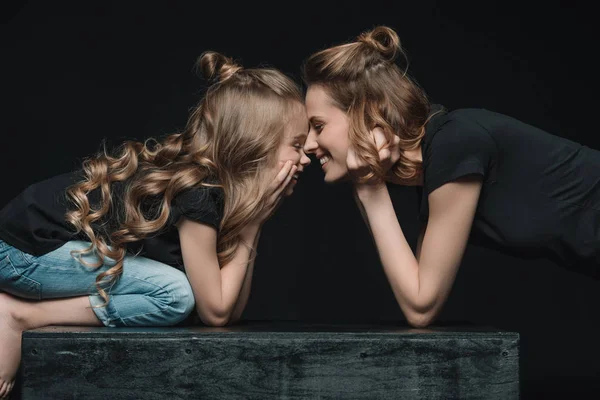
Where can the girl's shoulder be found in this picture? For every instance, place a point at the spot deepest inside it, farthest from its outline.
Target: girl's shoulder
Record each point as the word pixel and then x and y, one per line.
pixel 204 203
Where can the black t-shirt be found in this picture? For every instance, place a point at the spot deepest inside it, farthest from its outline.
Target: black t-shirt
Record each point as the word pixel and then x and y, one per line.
pixel 34 221
pixel 540 194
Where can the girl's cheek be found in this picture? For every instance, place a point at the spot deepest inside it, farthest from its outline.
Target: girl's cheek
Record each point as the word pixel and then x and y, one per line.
pixel 282 163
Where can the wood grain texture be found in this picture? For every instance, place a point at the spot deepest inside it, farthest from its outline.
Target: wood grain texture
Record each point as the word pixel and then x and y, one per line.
pixel 270 361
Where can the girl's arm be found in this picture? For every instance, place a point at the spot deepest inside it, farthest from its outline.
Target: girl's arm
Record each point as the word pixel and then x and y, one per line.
pixel 216 289
pixel 219 288
pixel 422 284
pixel 245 292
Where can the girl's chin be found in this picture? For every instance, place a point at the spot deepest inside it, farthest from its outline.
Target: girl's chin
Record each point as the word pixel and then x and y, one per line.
pixel 290 188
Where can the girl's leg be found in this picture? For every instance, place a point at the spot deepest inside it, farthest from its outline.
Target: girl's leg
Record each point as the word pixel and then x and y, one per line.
pixel 17 315
pixel 55 289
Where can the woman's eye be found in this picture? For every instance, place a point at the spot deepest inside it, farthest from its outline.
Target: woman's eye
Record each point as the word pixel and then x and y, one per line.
pixel 298 146
pixel 318 127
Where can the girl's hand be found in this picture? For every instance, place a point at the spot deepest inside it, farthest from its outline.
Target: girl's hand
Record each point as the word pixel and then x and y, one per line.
pixel 389 154
pixel 274 194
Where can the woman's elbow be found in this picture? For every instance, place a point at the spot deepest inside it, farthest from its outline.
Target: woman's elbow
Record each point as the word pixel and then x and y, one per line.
pixel 423 313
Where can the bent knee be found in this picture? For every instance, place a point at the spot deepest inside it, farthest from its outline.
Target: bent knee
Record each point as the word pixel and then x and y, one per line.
pixel 179 301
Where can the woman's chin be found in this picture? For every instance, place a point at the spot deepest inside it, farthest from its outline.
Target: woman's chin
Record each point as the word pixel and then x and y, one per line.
pixel 335 178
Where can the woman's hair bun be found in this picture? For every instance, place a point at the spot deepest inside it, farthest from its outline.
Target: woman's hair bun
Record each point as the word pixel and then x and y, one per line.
pixel 383 39
pixel 216 67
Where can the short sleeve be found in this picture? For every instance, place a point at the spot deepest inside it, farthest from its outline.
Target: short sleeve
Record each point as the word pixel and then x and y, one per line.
pixel 204 205
pixel 458 148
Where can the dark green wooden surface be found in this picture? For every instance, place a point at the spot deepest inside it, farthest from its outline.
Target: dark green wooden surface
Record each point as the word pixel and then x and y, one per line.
pixel 270 361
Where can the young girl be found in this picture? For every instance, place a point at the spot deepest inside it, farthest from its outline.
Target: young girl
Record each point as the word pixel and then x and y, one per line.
pixel 109 244
pixel 482 176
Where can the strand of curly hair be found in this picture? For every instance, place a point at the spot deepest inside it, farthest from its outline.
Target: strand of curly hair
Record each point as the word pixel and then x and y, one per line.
pixel 161 171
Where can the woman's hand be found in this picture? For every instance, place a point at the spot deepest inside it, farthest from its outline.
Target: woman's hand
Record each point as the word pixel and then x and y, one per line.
pixel 389 154
pixel 276 190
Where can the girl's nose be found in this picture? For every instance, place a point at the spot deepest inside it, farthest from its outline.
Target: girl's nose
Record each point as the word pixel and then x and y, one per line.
pixel 311 143
pixel 304 159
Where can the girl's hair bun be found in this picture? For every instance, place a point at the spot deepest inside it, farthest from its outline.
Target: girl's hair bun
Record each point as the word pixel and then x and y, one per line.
pixel 217 67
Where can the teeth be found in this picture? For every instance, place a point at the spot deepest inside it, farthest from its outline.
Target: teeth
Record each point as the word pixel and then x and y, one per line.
pixel 296 176
pixel 324 159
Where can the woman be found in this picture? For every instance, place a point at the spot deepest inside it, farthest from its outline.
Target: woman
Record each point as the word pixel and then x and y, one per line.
pixel 109 244
pixel 483 177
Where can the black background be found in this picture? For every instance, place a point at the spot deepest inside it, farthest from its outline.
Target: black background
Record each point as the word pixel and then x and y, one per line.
pixel 75 73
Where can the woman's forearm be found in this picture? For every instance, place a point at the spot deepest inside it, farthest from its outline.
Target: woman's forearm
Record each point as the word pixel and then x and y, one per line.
pixel 399 262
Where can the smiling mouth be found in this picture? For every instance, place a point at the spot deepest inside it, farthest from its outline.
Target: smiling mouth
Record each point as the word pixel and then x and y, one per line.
pixel 295 178
pixel 324 160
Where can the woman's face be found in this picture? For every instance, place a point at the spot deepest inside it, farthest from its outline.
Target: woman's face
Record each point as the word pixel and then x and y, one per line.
pixel 291 147
pixel 328 134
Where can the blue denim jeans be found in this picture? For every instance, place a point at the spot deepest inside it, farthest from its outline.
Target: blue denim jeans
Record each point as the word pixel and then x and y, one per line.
pixel 148 293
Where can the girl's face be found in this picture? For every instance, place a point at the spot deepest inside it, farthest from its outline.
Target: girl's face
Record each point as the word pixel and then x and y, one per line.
pixel 291 147
pixel 328 134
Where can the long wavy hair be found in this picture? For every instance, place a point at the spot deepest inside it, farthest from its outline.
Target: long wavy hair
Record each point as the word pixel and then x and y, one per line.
pixel 364 79
pixel 230 141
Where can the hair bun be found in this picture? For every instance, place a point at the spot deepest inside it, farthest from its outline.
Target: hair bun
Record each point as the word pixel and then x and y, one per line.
pixel 383 39
pixel 215 66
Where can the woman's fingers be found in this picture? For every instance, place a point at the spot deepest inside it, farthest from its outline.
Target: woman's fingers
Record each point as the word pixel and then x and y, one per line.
pixel 351 159
pixel 378 137
pixel 394 150
pixel 381 144
pixel 389 152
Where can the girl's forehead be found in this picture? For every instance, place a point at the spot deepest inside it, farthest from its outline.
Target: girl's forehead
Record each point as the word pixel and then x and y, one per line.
pixel 297 123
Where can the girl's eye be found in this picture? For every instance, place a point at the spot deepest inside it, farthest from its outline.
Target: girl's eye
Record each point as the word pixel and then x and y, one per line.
pixel 318 127
pixel 298 146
